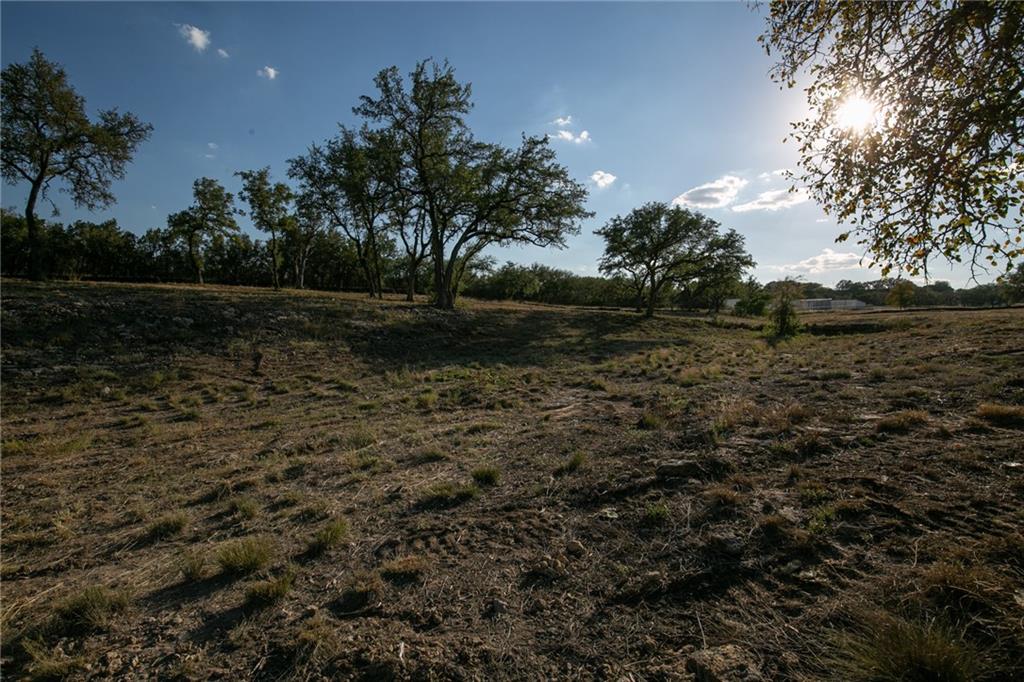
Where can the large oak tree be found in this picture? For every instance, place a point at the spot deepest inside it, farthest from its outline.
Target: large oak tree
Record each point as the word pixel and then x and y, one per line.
pixel 657 245
pixel 472 194
pixel 47 137
pixel 938 168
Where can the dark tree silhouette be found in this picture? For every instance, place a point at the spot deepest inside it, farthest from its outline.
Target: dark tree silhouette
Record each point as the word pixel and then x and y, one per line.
pixel 47 137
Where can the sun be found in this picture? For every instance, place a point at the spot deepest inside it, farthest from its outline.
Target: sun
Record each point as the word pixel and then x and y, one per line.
pixel 857 114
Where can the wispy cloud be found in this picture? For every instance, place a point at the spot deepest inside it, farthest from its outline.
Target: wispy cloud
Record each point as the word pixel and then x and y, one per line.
pixel 778 173
pixel 714 194
pixel 826 261
pixel 210 156
pixel 268 72
pixel 774 200
pixel 212 145
pixel 195 36
pixel 222 52
pixel 602 179
pixel 567 136
pixel 562 121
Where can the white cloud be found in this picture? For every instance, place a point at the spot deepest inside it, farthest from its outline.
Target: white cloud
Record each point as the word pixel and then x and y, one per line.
pixel 196 37
pixel 562 121
pixel 826 261
pixel 714 194
pixel 567 136
pixel 821 220
pixel 267 72
pixel 222 52
pixel 778 173
pixel 212 145
pixel 774 200
pixel 602 179
pixel 210 156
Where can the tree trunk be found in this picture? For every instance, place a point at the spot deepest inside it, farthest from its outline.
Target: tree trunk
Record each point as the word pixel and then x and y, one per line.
pixel 195 260
pixel 443 297
pixel 273 260
pixel 410 285
pixel 35 260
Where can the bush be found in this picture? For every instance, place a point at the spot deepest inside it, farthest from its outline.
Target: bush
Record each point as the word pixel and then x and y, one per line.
pixel 782 318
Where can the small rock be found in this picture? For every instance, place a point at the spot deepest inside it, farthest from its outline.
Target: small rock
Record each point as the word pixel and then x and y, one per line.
pixel 790 568
pixel 678 468
pixel 729 545
pixel 576 548
pixel 496 608
pixel 728 663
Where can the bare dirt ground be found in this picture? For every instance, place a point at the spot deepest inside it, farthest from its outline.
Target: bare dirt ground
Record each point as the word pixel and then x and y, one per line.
pixel 229 483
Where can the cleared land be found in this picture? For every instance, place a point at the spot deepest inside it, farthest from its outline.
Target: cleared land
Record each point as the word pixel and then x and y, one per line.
pixel 225 482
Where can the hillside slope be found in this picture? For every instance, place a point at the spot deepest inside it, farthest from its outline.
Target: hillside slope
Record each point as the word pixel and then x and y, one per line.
pixel 211 482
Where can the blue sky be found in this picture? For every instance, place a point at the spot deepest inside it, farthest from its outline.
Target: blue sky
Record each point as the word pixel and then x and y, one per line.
pixel 673 100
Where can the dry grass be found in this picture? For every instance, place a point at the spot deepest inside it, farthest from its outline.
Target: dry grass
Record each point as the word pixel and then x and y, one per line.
pixel 1009 416
pixel 363 452
pixel 246 555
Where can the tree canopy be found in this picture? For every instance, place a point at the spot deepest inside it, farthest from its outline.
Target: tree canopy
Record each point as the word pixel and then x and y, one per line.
pixel 471 193
pixel 657 244
pixel 48 137
pixel 936 168
pixel 210 217
pixel 269 210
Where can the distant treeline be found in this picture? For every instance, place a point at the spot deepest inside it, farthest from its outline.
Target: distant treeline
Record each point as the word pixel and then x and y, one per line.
pixel 104 251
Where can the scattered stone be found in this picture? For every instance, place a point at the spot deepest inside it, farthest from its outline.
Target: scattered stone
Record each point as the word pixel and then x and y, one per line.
pixel 728 663
pixel 678 468
pixel 729 545
pixel 496 608
pixel 576 548
pixel 704 469
pixel 790 568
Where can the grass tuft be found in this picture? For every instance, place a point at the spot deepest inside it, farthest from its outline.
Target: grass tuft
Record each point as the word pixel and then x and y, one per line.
pixel 167 525
pixel 329 536
pixel 887 648
pixel 573 464
pixel 446 495
pixel 404 570
pixel 486 476
pixel 244 556
pixel 902 422
pixel 272 590
pixel 91 609
pixel 1011 416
